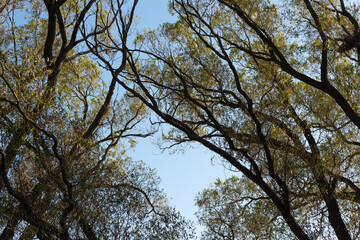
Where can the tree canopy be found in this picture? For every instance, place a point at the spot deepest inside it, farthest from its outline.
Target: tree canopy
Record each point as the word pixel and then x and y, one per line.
pixel 65 128
pixel 271 87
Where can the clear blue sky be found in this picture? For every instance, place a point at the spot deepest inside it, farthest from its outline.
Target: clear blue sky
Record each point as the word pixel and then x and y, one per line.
pixel 182 175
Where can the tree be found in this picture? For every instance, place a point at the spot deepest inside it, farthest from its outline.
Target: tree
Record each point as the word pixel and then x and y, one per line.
pixel 64 130
pixel 237 209
pixel 272 88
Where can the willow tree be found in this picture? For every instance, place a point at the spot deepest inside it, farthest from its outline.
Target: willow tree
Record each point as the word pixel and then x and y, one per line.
pixel 271 87
pixel 64 130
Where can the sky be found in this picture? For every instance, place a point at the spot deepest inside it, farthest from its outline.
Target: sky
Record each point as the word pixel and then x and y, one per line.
pixel 183 175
